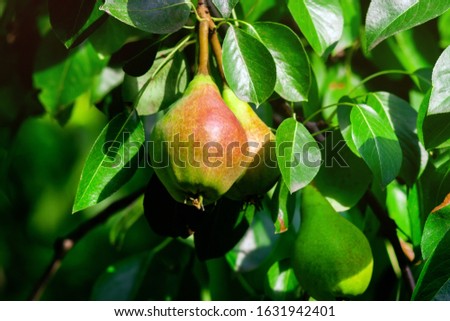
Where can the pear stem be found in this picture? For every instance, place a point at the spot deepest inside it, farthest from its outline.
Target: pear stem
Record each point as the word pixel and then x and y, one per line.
pixel 214 38
pixel 203 37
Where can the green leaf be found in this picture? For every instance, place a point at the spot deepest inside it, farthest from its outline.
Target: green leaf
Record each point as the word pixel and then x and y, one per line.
pixel 434 184
pixel 292 64
pixel 321 21
pixel 433 130
pixel 255 246
pixel 157 16
pixel 352 24
pixel 402 118
pixel 345 126
pixel 281 283
pixel 74 21
pixel 112 160
pixel 124 220
pixel 436 226
pixel 163 84
pixel 444 292
pixel 112 35
pixel 435 272
pixel 444 31
pixel 225 6
pixel 376 142
pixel 122 280
pixel 283 207
pixel 248 66
pixel 440 96
pixel 343 179
pixel 397 206
pixel 298 154
pixel 386 18
pixel 255 10
pixel 105 82
pixel 63 75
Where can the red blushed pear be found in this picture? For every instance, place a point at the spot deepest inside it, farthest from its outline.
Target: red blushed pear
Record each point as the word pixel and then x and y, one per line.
pixel 262 172
pixel 197 145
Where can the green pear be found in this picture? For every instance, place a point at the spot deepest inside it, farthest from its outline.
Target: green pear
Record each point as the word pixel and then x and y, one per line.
pixel 332 258
pixel 262 171
pixel 196 146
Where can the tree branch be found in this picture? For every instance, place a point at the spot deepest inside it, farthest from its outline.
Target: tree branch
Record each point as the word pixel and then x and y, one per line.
pixel 389 228
pixel 65 244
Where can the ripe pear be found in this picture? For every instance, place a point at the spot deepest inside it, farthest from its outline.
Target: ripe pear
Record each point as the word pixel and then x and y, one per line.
pixel 332 258
pixel 196 145
pixel 262 171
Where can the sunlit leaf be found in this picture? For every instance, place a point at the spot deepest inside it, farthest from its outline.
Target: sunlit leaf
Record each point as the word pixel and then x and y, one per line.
pixel 298 154
pixel 225 6
pixel 63 75
pixel 158 16
pixel 292 64
pixel 402 118
pixel 440 95
pixel 112 160
pixel 163 84
pixel 321 21
pixel 376 142
pixel 385 18
pixel 281 283
pixel 248 66
pixel 436 226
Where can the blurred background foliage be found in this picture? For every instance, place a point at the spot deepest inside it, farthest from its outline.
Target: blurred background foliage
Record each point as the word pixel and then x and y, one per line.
pixel 45 139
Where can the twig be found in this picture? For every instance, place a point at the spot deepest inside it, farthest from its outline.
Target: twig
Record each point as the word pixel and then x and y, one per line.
pixel 65 244
pixel 389 228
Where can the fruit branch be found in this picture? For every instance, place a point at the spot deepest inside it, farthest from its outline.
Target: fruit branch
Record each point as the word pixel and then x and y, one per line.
pixel 203 35
pixel 389 228
pixel 63 245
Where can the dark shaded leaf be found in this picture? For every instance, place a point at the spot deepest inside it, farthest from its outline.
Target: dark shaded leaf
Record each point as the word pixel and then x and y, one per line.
pixel 435 272
pixel 73 21
pixel 222 228
pixel 168 217
pixel 343 178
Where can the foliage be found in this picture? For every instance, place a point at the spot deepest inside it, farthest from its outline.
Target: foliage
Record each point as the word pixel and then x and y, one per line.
pixel 357 93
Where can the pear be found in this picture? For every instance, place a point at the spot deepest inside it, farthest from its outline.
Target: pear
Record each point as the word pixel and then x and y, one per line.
pixel 262 171
pixel 332 258
pixel 196 145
